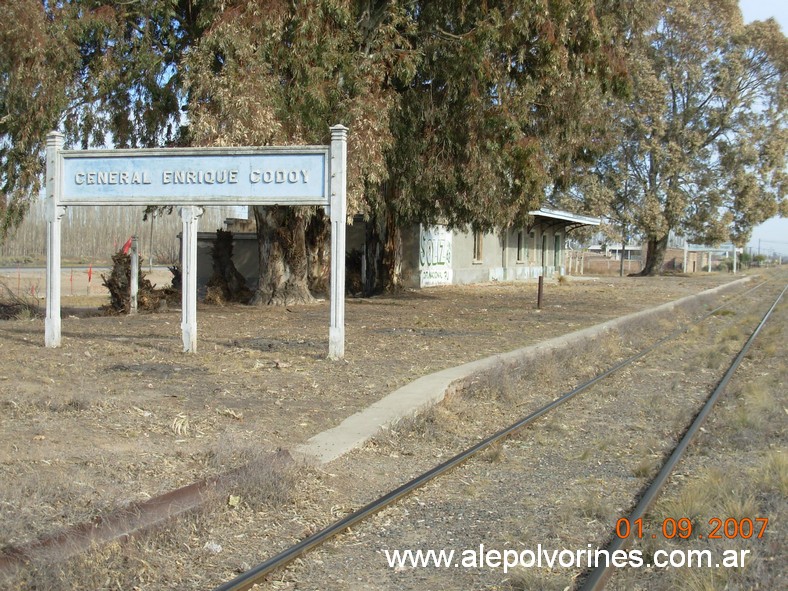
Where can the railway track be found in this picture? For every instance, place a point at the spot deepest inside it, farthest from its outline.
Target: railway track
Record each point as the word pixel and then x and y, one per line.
pixel 600 575
pixel 594 580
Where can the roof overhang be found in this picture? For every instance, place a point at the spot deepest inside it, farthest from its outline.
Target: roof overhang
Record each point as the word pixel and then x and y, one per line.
pixel 556 217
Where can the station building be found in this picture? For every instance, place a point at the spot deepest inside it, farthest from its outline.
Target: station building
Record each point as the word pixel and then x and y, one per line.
pixel 436 255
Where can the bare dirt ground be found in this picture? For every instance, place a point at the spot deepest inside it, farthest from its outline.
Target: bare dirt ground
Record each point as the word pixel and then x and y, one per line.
pixel 120 414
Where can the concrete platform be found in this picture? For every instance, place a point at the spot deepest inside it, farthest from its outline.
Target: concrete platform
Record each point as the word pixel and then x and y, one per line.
pixel 429 390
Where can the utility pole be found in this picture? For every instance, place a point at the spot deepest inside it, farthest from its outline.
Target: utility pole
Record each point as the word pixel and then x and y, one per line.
pixel 623 250
pixel 686 255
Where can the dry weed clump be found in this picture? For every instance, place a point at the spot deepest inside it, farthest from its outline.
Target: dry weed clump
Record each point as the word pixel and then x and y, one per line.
pixel 528 579
pixel 118 282
pixel 15 306
pixel 144 560
pixel 42 495
pixel 256 478
pixel 771 473
pixel 141 562
pixel 426 425
pixel 495 454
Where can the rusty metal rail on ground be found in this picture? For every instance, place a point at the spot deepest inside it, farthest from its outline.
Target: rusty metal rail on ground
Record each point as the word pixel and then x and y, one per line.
pixel 258 573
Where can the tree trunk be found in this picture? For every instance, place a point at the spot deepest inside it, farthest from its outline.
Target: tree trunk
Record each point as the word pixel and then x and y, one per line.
pixel 392 253
pixel 655 256
pixel 281 241
pixel 226 284
pixel 383 244
pixel 318 244
pixel 373 258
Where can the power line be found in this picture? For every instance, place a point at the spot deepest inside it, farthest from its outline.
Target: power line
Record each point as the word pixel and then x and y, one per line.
pixel 773 241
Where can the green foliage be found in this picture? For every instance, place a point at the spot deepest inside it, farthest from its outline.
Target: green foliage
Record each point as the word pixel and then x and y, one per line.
pixel 702 138
pixel 465 112
pixel 283 72
pixel 102 72
pixel 498 109
pixel 32 99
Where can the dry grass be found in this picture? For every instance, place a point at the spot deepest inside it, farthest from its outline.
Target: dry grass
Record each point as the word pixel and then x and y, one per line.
pixel 595 507
pixel 646 467
pixel 771 473
pixel 495 454
pixel 258 479
pixel 703 579
pixel 731 333
pixel 178 560
pixel 139 563
pixel 737 470
pixel 42 495
pixel 143 562
pixel 755 413
pixel 510 386
pixel 15 306
pixel 530 579
pixel 444 420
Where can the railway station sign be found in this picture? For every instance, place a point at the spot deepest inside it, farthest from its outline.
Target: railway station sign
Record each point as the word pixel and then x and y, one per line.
pixel 206 176
pixel 193 178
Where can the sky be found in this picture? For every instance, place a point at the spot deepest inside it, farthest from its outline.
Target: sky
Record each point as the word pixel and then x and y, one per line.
pixel 771 236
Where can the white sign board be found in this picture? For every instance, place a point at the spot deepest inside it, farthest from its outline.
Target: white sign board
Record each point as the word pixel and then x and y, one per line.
pixel 206 176
pixel 193 178
pixel 435 256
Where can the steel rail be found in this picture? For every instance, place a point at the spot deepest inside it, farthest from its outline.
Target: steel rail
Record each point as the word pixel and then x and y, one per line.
pixel 598 577
pixel 251 577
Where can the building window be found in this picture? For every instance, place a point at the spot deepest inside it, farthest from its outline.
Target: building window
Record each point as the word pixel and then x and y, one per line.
pixel 477 247
pixel 522 247
pixel 544 252
pixel 557 252
pixel 531 245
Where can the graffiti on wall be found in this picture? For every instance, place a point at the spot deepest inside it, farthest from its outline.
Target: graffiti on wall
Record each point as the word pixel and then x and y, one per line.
pixel 435 256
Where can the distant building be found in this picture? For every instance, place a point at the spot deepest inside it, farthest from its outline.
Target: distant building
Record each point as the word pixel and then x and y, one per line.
pixel 631 252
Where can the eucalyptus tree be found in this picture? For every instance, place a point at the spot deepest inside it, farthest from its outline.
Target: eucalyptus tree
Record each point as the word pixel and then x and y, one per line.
pixel 491 118
pixel 105 73
pixel 703 137
pixel 283 72
pixel 498 111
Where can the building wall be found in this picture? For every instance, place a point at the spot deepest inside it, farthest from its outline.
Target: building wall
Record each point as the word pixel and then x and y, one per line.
pixel 245 258
pixel 430 255
pixel 696 261
pixel 498 259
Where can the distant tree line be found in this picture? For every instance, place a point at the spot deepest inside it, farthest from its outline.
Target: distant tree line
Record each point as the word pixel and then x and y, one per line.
pixel 94 234
pixel 664 115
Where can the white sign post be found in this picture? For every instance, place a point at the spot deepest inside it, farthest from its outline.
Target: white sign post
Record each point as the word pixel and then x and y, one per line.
pixel 134 281
pixel 193 178
pixel 54 213
pixel 190 214
pixel 338 215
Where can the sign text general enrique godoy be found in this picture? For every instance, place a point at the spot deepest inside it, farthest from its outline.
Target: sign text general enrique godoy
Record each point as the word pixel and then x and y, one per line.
pixel 96 177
